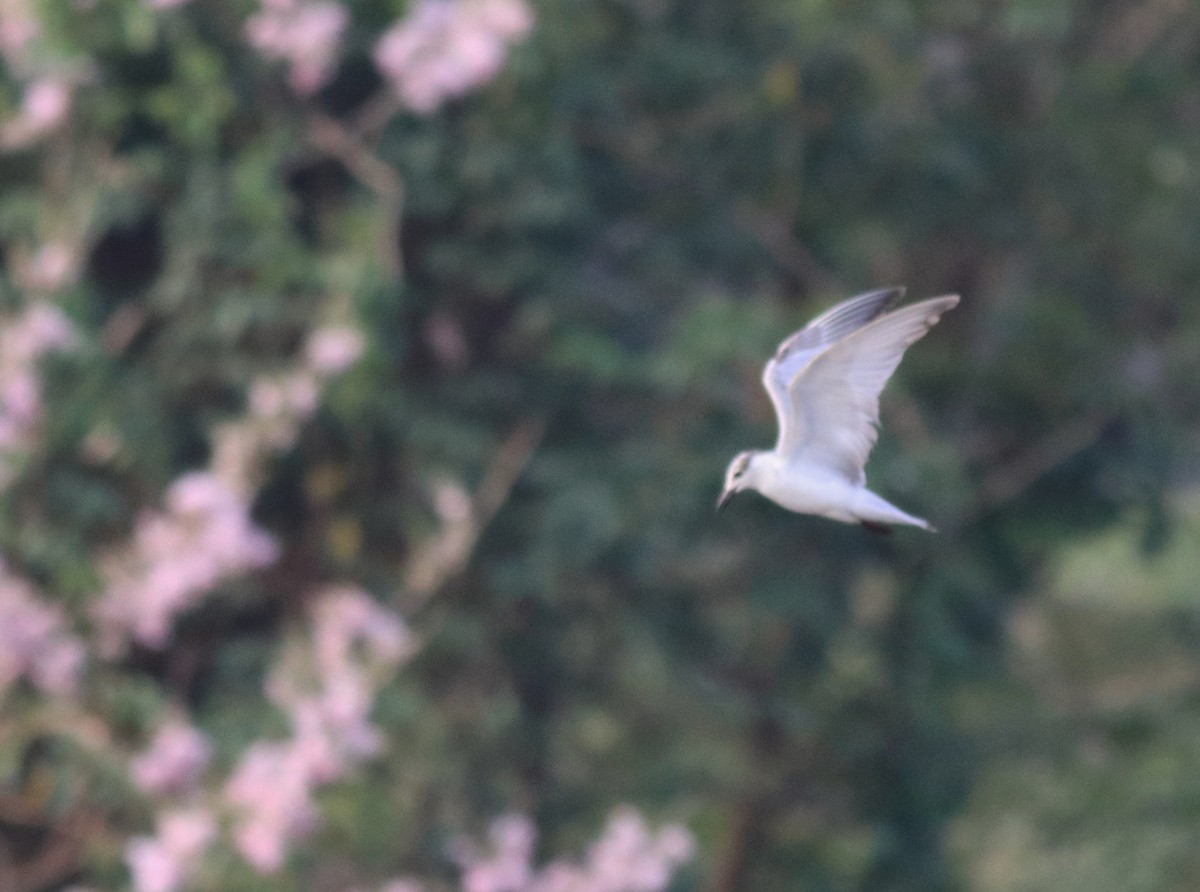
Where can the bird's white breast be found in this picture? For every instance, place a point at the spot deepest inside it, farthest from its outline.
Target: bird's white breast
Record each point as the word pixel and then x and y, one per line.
pixel 810 490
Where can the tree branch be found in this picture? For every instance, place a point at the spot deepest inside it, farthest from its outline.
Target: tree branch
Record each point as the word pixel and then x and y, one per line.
pixel 1011 479
pixel 447 553
pixel 330 137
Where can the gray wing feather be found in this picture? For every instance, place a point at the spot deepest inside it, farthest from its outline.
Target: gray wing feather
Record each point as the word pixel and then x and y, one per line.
pixel 797 350
pixel 835 397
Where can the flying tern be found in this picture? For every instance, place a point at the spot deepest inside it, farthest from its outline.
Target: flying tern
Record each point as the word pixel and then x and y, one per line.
pixel 824 382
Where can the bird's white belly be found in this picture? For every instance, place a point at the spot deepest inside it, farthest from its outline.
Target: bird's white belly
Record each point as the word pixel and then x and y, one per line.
pixel 827 496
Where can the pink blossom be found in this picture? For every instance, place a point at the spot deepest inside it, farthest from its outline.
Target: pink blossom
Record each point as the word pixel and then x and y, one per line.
pixel 23 341
pixel 165 4
pixel 19 26
pixel 301 392
pixel 446 48
pixel 290 398
pixel 278 403
pixel 266 398
pixel 198 493
pixel 21 397
pixel 277 406
pixel 452 502
pixel 175 760
pixel 34 640
pixel 333 349
pixel 204 535
pixel 45 103
pixel 56 668
pixel 164 862
pixel 328 690
pixel 508 866
pixel 317 750
pixel 52 267
pixel 675 844
pixel 44 108
pixel 303 33
pixel 325 682
pixel 42 328
pixel 47 328
pixel 237 447
pixel 346 618
pixel 271 793
pixel 627 858
pixel 510 19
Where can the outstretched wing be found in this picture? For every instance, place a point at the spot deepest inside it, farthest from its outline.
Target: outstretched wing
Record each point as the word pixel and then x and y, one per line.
pixel 834 398
pixel 799 349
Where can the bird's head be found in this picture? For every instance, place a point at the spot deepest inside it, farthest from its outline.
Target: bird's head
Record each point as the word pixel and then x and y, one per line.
pixel 738 476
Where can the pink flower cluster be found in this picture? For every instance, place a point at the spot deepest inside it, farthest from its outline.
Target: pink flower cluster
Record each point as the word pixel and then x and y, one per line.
pixel 52 266
pixel 326 683
pixel 46 94
pixel 34 640
pixel 628 857
pixel 205 534
pixel 44 107
pixel 445 48
pixel 303 33
pixel 279 403
pixel 19 27
pixel 174 762
pixel 23 341
pixel 165 861
pixel 177 554
pixel 271 793
pixel 405 885
pixel 333 349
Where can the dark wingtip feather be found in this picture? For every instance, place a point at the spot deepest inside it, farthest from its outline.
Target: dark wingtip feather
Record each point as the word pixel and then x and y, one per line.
pixel 856 312
pixel 841 320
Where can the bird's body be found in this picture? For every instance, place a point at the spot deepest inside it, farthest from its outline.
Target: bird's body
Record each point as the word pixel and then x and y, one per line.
pixel 811 491
pixel 824 382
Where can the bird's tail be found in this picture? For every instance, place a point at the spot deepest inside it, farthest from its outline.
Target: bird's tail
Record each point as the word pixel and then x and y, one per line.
pixel 876 509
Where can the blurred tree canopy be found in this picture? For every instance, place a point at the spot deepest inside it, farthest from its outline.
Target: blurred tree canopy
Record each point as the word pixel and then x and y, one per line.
pixel 568 281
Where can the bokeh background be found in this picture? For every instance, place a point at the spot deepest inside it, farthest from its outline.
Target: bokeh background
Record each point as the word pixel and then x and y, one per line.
pixel 367 375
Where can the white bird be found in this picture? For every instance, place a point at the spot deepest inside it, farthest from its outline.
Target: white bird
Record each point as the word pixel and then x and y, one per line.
pixel 824 382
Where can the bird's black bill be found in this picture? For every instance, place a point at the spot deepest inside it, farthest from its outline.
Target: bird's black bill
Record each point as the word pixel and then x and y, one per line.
pixel 725 497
